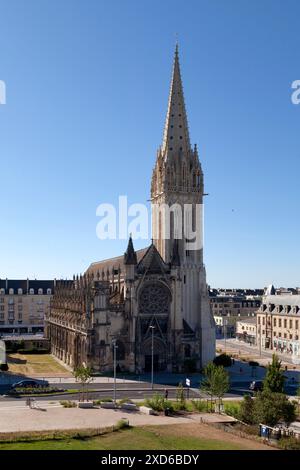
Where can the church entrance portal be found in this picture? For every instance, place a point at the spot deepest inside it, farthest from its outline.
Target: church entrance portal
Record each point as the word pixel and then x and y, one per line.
pixel 148 362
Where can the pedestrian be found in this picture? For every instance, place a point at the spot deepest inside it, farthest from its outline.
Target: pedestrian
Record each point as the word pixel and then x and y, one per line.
pixel 166 393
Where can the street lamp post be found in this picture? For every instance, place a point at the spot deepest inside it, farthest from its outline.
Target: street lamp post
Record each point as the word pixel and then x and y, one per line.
pixel 152 356
pixel 259 340
pixel 114 343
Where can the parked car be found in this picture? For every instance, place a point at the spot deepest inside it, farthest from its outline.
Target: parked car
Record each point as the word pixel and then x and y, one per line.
pixel 256 386
pixel 30 384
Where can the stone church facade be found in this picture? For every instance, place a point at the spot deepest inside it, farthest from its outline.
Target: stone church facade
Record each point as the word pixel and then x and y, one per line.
pixel 156 294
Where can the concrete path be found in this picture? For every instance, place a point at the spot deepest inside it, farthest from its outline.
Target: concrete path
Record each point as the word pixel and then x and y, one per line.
pixel 52 416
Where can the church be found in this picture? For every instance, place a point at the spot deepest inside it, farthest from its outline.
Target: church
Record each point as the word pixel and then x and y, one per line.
pixel 150 304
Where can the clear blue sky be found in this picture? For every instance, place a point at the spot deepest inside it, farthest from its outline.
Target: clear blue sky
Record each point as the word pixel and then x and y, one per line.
pixel 87 89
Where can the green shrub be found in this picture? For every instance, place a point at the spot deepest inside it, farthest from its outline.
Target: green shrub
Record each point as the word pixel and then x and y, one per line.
pixel 289 443
pixel 122 423
pixel 68 404
pixel 232 409
pixel 179 406
pixel 270 408
pixel 246 413
pixel 34 390
pixel 34 351
pixel 104 399
pixel 158 403
pixel 223 360
pixel 124 400
pixel 199 405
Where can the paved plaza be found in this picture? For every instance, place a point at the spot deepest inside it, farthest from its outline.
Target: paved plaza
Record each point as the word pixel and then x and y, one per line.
pixel 52 416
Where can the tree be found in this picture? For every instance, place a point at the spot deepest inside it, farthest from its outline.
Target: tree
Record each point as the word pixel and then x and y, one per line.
pixel 84 375
pixel 274 380
pixel 180 395
pixel 215 382
pixel 246 412
pixel 270 408
pixel 206 385
pixel 223 360
pixel 221 383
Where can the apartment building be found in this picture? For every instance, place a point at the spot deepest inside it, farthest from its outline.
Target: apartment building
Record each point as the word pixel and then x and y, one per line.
pixel 278 322
pixel 246 330
pixel 230 306
pixel 23 305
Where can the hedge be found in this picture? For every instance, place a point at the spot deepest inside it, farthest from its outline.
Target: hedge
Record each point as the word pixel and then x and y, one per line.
pixel 34 351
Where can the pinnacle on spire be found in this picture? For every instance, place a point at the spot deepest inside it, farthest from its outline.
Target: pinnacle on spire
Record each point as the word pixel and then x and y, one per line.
pixel 176 133
pixel 130 254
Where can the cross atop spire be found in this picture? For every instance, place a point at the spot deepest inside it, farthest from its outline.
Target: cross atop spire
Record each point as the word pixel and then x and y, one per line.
pixel 176 133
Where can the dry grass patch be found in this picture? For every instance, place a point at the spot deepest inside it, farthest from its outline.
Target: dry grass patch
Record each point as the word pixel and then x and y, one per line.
pixel 35 364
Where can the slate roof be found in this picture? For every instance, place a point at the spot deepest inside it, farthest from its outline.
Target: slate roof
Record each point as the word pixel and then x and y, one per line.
pixel 26 285
pixel 116 262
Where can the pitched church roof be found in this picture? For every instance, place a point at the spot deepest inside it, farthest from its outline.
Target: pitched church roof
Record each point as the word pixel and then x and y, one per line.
pixel 152 262
pixel 113 263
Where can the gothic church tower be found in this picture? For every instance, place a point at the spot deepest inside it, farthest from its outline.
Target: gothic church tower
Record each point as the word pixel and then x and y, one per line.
pixel 177 183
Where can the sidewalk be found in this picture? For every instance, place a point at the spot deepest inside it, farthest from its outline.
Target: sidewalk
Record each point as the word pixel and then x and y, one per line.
pixel 52 416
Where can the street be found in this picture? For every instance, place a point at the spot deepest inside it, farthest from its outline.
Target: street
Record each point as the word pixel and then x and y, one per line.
pixel 232 345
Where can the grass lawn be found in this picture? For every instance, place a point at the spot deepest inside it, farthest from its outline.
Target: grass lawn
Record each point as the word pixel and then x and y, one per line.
pixel 34 364
pixel 180 437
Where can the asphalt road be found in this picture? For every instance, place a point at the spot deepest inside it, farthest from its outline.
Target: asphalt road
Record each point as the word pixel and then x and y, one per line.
pixel 134 391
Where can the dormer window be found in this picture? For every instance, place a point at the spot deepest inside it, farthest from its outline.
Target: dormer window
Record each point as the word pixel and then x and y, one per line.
pixel 11 292
pixel 20 291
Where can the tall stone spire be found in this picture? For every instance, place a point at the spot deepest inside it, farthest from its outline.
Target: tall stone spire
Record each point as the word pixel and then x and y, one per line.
pixel 177 178
pixel 176 133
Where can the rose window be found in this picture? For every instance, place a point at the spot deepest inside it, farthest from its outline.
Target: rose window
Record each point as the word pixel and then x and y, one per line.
pixel 154 299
